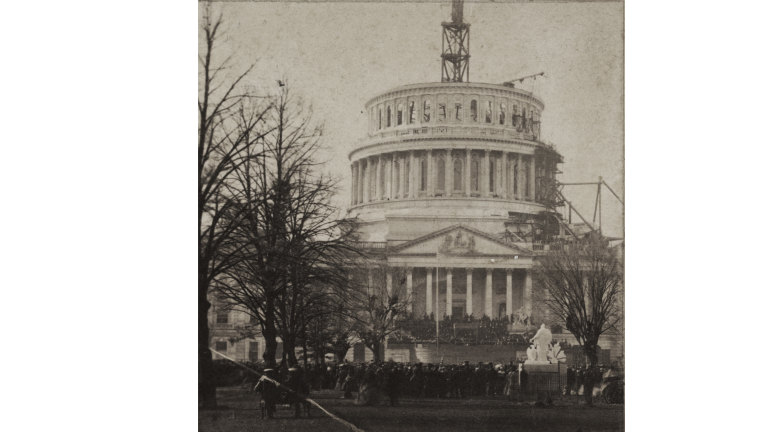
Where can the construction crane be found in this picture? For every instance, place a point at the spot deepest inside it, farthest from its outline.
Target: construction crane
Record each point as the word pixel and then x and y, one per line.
pixel 455 67
pixel 511 83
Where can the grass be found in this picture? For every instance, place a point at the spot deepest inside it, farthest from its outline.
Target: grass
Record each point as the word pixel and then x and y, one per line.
pixel 242 414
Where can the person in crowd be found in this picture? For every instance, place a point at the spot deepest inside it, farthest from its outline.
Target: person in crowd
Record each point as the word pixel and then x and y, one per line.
pixel 268 391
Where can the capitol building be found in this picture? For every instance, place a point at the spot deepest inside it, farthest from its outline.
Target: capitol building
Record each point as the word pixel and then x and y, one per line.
pixel 451 177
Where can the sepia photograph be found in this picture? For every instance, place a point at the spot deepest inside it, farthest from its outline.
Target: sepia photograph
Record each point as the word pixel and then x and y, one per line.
pixel 411 216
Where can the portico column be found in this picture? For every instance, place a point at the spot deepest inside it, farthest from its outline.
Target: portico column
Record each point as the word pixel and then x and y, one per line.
pixel 429 290
pixel 468 174
pixel 485 184
pixel 392 191
pixel 489 292
pixel 430 172
pixel 409 288
pixel 448 173
pixel 528 292
pixel 352 189
pixel 389 283
pixel 449 292
pixel 509 294
pixel 469 291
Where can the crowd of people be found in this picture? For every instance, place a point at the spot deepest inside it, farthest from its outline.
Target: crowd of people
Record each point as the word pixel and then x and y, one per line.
pixel 371 383
pixel 481 331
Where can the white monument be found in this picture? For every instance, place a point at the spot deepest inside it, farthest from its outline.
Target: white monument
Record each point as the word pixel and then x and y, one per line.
pixel 541 352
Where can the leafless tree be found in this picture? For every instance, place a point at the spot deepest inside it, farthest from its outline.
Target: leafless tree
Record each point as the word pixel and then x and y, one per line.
pixel 291 242
pixel 582 285
pixel 375 310
pixel 228 125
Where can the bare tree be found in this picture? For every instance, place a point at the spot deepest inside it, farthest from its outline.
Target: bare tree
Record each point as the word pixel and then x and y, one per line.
pixel 375 309
pixel 290 241
pixel 227 127
pixel 583 287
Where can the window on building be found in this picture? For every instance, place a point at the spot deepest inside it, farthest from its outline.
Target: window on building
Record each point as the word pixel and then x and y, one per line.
pixel 515 117
pixel 441 111
pixel 489 112
pixel 457 110
pixel 396 180
pixel 473 110
pixel 514 179
pixel 399 114
pixel 423 185
pixel 379 118
pixel 440 174
pixel 412 112
pixel 407 183
pixel 524 121
pixel 389 116
pixel 222 317
pixel 253 351
pixel 458 184
pixel 475 175
pixel 221 346
pixel 427 111
pixel 502 113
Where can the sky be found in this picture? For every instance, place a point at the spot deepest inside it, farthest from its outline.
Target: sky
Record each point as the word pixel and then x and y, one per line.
pixel 336 56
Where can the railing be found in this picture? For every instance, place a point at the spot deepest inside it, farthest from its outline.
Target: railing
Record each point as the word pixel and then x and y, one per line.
pixel 371 245
pixel 459 130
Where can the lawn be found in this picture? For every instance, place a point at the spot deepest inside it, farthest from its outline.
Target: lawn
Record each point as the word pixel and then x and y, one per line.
pixel 445 415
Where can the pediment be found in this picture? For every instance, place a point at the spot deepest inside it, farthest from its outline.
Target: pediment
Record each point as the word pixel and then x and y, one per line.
pixel 459 240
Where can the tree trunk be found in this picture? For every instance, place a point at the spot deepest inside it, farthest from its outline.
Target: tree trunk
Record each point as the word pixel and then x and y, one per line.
pixel 206 383
pixel 270 335
pixel 376 348
pixel 590 352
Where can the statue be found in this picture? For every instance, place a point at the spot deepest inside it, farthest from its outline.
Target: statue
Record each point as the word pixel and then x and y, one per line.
pixel 541 342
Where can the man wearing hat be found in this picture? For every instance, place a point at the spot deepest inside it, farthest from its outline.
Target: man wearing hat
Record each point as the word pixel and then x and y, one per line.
pixel 268 392
pixel 299 390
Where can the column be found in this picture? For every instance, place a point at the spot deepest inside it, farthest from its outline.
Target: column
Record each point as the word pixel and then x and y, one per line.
pixel 429 290
pixel 366 181
pixel 469 291
pixel 412 187
pixel 401 192
pixel 448 173
pixel 379 174
pixel 519 177
pixel 449 292
pixel 360 182
pixel 532 178
pixel 484 183
pixel 389 283
pixel 509 294
pixel 392 192
pixel 430 174
pixel 528 292
pixel 409 288
pixel 352 188
pixel 489 292
pixel 503 182
pixel 468 174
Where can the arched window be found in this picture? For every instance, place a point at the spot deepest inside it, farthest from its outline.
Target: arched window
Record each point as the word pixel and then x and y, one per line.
pixel 489 112
pixel 399 114
pixel 457 110
pixel 475 178
pixel 427 111
pixel 441 174
pixel 379 118
pixel 441 112
pixel 514 178
pixel 423 185
pixel 502 113
pixel 524 121
pixel 389 116
pixel 515 117
pixel 457 180
pixel 473 110
pixel 411 112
